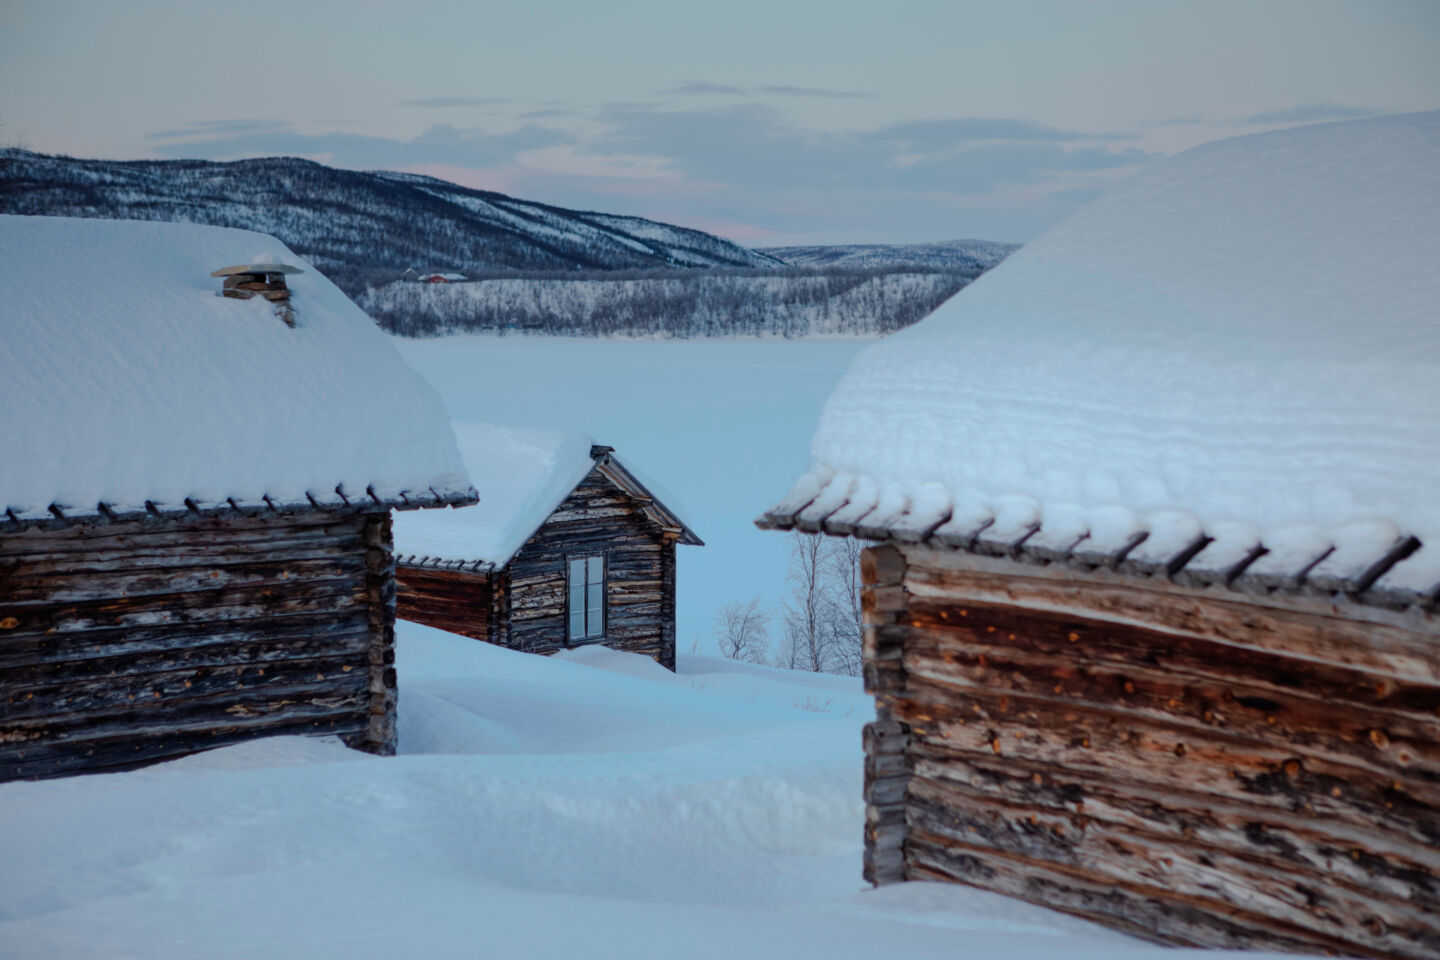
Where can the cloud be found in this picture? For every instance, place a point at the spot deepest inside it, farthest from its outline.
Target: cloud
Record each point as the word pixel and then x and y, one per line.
pixel 989 167
pixel 439 144
pixel 700 88
pixel 970 129
pixel 1308 113
pixel 451 102
pixel 212 128
pixel 789 91
pixel 1188 120
pixel 547 113
pixel 754 146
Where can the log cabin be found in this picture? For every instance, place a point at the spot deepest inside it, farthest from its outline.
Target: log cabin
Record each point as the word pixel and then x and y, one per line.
pixel 568 548
pixel 195 496
pixel 1154 514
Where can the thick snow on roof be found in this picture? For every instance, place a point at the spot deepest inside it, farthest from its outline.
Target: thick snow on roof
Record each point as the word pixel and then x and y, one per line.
pixel 125 377
pixel 522 474
pixel 1244 336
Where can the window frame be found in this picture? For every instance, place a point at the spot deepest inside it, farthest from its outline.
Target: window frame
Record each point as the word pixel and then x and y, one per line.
pixel 592 631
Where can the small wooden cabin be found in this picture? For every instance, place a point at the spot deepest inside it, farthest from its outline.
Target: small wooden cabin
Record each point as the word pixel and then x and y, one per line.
pixel 1151 610
pixel 195 497
pixel 568 547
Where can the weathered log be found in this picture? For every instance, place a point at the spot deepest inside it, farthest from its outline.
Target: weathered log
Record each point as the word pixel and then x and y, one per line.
pixel 1366 858
pixel 887 776
pixel 137 641
pixel 1192 764
pixel 1137 912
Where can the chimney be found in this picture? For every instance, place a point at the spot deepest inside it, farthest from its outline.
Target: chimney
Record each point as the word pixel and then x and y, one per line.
pixel 266 280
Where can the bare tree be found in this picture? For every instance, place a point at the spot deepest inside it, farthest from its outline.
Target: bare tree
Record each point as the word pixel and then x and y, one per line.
pixel 808 612
pixel 743 631
pixel 847 627
pixel 791 655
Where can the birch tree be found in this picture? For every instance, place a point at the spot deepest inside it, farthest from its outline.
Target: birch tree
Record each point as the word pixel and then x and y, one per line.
pixel 808 613
pixel 742 631
pixel 847 626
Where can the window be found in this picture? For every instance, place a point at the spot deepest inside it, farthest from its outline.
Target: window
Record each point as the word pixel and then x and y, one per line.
pixel 586 598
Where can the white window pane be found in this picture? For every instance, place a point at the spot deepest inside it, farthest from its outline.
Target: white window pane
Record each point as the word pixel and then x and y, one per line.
pixel 596 615
pixel 576 598
pixel 577 613
pixel 595 570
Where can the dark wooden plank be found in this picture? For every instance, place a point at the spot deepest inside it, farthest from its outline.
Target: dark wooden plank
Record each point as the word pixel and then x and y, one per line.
pixel 134 642
pixel 1194 766
pixel 457 601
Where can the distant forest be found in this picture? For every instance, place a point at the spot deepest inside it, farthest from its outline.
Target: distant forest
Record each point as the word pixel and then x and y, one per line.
pixel 669 303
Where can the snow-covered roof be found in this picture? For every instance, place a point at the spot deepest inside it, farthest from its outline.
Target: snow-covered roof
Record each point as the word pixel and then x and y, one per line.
pixel 129 385
pixel 523 474
pixel 1236 351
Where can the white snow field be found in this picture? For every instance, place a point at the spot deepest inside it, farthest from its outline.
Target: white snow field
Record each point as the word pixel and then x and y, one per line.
pixel 590 805
pixel 713 427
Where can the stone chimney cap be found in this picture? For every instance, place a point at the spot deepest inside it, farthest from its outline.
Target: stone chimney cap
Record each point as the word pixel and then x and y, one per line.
pixel 255 268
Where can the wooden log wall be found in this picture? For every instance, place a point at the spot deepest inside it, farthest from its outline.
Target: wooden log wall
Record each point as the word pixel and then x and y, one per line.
pixel 597 518
pixel 128 643
pixel 886 741
pixel 1195 767
pixel 453 600
pixel 667 603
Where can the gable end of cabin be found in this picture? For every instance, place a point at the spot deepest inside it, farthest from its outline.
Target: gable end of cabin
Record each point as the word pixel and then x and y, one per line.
pixel 535 604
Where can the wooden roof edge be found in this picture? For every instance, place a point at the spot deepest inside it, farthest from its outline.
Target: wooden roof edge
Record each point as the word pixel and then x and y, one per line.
pixel 667 519
pixel 769 521
pixel 57 516
pixel 428 498
pixel 1364 587
pixel 241 269
pixel 425 562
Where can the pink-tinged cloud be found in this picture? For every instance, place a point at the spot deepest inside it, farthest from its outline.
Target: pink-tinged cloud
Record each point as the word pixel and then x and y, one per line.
pixel 474 178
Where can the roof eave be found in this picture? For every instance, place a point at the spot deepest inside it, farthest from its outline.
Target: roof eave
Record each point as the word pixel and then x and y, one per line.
pixel 58 516
pixel 801 513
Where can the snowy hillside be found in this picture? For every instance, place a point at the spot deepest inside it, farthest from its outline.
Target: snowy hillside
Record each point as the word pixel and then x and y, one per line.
pixel 358 227
pixel 670 304
pixel 585 805
pixel 963 255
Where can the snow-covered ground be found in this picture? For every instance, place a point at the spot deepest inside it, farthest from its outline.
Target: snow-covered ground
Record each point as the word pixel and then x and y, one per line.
pixel 590 805
pixel 723 426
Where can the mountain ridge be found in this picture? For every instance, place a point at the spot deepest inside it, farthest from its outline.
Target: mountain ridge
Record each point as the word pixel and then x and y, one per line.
pixel 360 227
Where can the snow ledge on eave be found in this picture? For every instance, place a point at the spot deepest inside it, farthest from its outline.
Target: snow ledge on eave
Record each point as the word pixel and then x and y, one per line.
pixel 1370 563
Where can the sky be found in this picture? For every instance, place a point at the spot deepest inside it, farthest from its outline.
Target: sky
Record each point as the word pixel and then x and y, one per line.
pixel 767 122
